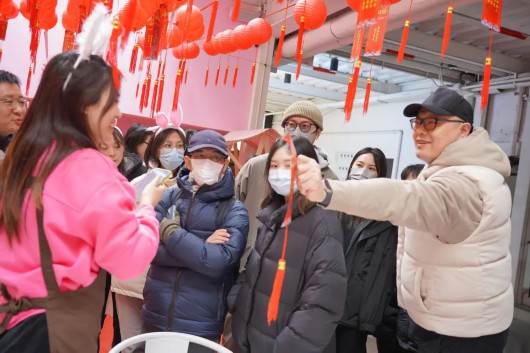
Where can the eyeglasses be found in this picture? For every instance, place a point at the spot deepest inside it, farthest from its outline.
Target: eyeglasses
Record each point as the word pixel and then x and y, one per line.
pixel 304 126
pixel 430 124
pixel 15 103
pixel 214 157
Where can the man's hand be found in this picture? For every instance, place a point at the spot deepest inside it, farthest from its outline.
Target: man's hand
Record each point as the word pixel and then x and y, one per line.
pixel 168 226
pixel 220 236
pixel 309 179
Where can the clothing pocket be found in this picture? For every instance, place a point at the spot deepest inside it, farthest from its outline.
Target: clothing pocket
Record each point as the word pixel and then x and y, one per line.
pixel 420 295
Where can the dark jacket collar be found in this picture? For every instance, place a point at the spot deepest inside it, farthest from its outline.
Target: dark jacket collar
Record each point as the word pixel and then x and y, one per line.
pixel 275 212
pixel 5 141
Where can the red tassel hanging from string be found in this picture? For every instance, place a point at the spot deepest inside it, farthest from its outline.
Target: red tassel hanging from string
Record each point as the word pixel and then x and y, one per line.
pixel 274 301
pixel 1 54
pixel 226 74
pixel 280 47
pixel 300 46
pixel 69 40
pixel 112 53
pixel 142 97
pixel 352 89
pixel 134 58
pixel 253 73
pixel 447 30
pixel 211 25
pixel 235 13
pixel 28 81
pixel 235 76
pixel 127 17
pixel 148 87
pixel 367 95
pixel 138 85
pixel 186 76
pixel 178 81
pixel 155 90
pixel 206 76
pixel 487 75
pixel 217 74
pixel 404 37
pixel 161 85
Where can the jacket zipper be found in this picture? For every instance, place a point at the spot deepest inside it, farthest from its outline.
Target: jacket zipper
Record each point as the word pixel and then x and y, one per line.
pixel 171 310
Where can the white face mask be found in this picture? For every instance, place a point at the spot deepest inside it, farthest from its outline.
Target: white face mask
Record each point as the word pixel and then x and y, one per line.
pixel 361 174
pixel 171 158
pixel 280 180
pixel 205 171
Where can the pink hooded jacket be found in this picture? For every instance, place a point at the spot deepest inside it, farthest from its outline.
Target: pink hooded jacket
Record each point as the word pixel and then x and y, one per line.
pixel 90 221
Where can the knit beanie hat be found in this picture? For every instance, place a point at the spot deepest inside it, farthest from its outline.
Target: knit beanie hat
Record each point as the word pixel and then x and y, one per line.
pixel 304 109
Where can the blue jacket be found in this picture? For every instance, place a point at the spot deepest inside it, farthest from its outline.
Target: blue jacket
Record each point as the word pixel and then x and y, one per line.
pixel 189 279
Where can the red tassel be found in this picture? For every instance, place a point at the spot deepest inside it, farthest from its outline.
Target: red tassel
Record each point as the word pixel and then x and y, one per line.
pixel 28 82
pixel 186 76
pixel 486 83
pixel 177 87
pixel 147 90
pixel 3 26
pixel 134 58
pixel 447 30
pixel 226 74
pixel 211 25
pixel 235 13
pixel 206 77
pixel 253 73
pixel 352 89
pixel 142 97
pixel 155 90
pixel 127 17
pixel 137 87
pixel 280 47
pixel 1 52
pixel 367 95
pixel 160 93
pixel 274 301
pixel 235 76
pixel 217 75
pixel 112 53
pixel 68 42
pixel 404 39
pixel 300 40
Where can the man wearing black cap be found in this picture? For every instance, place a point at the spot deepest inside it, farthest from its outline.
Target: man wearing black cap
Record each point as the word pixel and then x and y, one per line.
pixel 453 258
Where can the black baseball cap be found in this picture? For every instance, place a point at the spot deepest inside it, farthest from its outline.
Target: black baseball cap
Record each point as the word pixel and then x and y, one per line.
pixel 445 102
pixel 208 139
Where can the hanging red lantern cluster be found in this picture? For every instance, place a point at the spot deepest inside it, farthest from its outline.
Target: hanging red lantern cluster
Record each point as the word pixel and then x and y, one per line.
pixel 186 50
pixel 8 11
pixel 491 18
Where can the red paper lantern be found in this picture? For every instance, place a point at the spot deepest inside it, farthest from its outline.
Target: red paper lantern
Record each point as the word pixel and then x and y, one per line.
pixel 176 37
pixel 209 48
pixel 259 30
pixel 48 22
pixel 70 22
pixel 192 34
pixel 195 20
pixel 9 10
pixel 241 37
pixel 187 50
pixel 226 43
pixel 313 11
pixel 217 43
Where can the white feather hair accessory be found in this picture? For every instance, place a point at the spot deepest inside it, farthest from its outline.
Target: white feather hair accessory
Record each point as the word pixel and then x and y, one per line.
pixel 94 37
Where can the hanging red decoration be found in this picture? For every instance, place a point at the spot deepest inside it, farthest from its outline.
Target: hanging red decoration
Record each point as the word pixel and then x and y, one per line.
pixel 217 73
pixel 226 74
pixel 352 89
pixel 487 75
pixel 376 34
pixel 134 58
pixel 447 30
pixel 367 10
pixel 209 48
pixel 226 43
pixel 492 14
pixel 235 12
pixel 161 86
pixel 126 17
pixel 112 53
pixel 405 36
pixel 367 95
pixel 259 30
pixel 241 38
pixel 234 80
pixel 211 24
pixel 357 45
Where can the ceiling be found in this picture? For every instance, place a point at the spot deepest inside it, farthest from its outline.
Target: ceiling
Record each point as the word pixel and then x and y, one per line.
pixel 422 71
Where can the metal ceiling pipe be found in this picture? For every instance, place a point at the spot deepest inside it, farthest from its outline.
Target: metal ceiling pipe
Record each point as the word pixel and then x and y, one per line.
pixel 339 31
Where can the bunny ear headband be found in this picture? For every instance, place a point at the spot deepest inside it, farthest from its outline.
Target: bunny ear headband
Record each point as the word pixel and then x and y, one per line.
pixel 94 37
pixel 172 122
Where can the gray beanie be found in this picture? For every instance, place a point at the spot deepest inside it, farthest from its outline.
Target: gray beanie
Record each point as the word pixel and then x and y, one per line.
pixel 304 109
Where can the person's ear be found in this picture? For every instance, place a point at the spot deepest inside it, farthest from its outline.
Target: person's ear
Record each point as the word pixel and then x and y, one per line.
pixel 465 129
pixel 187 162
pixel 317 134
pixel 225 165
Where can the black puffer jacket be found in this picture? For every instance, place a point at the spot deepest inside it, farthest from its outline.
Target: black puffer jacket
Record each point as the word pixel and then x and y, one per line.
pixel 314 287
pixel 370 253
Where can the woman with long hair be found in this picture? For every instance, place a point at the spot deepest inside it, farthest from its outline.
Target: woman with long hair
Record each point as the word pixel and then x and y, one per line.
pixel 129 164
pixel 66 213
pixel 370 254
pixel 314 286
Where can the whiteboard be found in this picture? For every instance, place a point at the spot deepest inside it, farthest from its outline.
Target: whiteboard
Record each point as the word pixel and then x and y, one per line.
pixel 342 146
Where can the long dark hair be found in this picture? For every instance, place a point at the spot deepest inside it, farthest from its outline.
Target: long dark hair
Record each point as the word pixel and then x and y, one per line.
pixel 135 136
pixel 151 158
pixel 303 147
pixel 54 127
pixel 118 139
pixel 379 159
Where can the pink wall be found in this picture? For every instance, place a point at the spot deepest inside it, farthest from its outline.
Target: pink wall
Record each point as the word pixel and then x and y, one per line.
pixel 221 107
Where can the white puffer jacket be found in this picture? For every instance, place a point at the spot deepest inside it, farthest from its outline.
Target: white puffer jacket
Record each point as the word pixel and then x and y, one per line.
pixel 453 258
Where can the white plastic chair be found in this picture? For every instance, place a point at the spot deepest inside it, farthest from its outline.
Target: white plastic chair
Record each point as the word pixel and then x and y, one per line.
pixel 168 342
